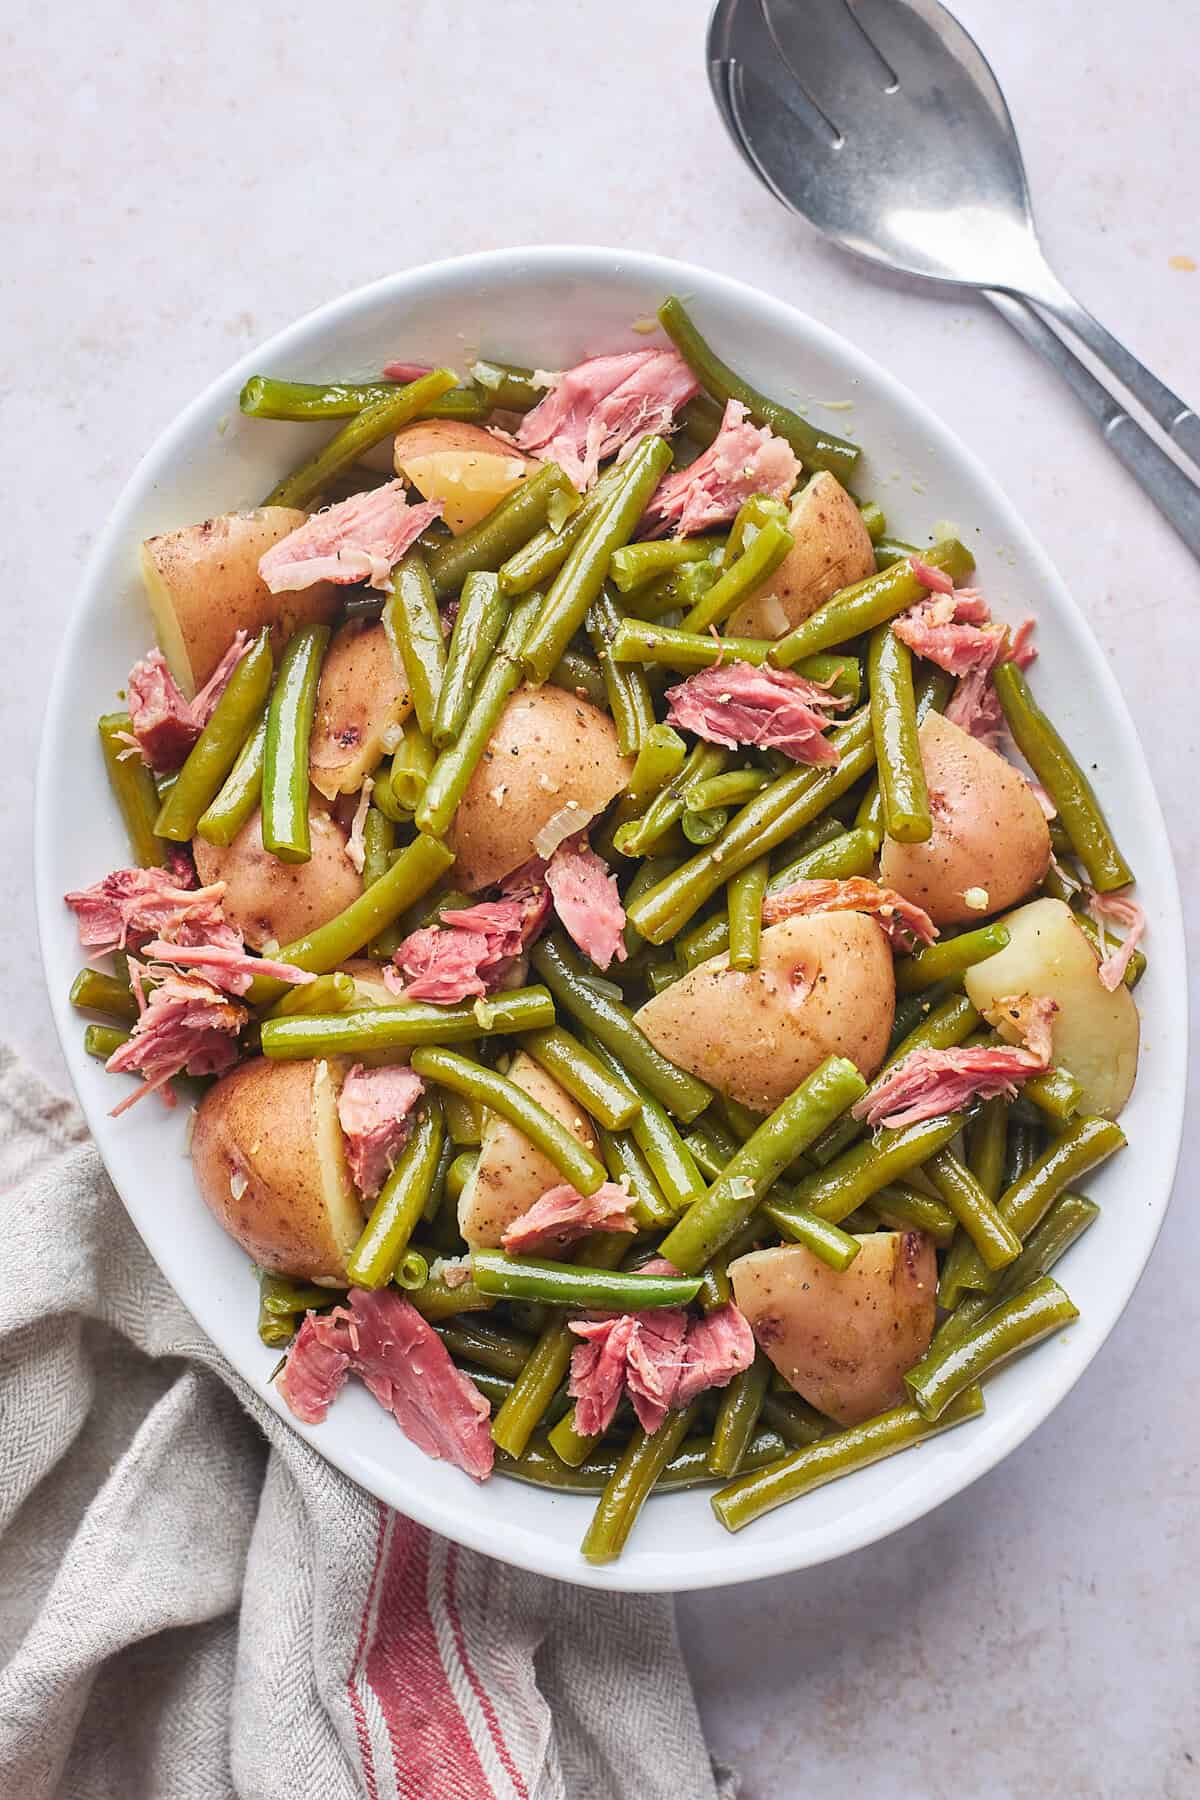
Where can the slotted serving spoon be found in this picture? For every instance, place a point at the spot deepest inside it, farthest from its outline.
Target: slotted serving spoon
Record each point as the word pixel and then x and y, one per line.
pixel 881 122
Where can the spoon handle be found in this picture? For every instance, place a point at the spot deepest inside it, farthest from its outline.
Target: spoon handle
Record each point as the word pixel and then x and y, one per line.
pixel 1176 496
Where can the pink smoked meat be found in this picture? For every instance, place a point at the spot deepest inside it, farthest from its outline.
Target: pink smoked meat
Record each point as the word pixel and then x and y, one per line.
pixel 1117 909
pixel 375 1112
pixel 164 723
pixel 587 901
pixel 470 952
pixel 382 1338
pixel 185 1024
pixel 405 371
pixel 604 405
pixel 905 923
pixel 226 966
pixel 563 1215
pixel 975 708
pixel 770 708
pixel 742 460
pixel 358 539
pixel 953 630
pixel 662 1358
pixel 928 1083
pixel 131 904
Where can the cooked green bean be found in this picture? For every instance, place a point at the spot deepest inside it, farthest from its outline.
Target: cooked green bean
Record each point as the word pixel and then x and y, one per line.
pixel 379 843
pixel 776 1143
pixel 834 1191
pixel 408 777
pixel 415 870
pixel 493 1346
pixel 581 577
pixel 93 991
pixel 996 1243
pixel 411 1272
pixel 948 960
pixel 794 1419
pixel 481 613
pixel 737 1417
pixel 436 1299
pixel 638 836
pixel 903 1207
pixel 284 1298
pixel 487 545
pixel 102 1041
pixel 1137 962
pixel 817 449
pixel 216 750
pixel 875 520
pixel 400 1204
pixel 757 562
pixel 634 565
pixel 1068 1218
pixel 638 1469
pixel 751 516
pixel 733 788
pixel 750 1496
pixel 609 1097
pixel 498 1094
pixel 1063 779
pixel 890 550
pixel 1025 1319
pixel 674 1168
pixel 359 434
pixel 576 1285
pixel 709 938
pixel 715 1290
pixel 580 675
pixel 661 755
pixel 869 603
pixel 628 696
pixel 569 1444
pixel 542 1466
pixel 626 1165
pixel 414 631
pixel 275 1330
pixel 327 994
pixel 508 387
pixel 535 562
pixel 265 397
pixel 285 748
pixel 1055 1092
pixel 461 1168
pixel 933 690
pixel 903 793
pixel 986 1141
pixel 133 789
pixel 457 763
pixel 712 1146
pixel 744 897
pixel 614 1025
pixel 846 854
pixel 800 1225
pixel 241 791
pixel 644 641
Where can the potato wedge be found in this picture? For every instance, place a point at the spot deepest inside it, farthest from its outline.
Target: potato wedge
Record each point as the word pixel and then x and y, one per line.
pixel 203 586
pixel 990 838
pixel 824 986
pixel 274 902
pixel 548 748
pixel 361 701
pixel 270 1163
pixel 1095 1033
pixel 843 1341
pixel 832 550
pixel 511 1174
pixel 462 465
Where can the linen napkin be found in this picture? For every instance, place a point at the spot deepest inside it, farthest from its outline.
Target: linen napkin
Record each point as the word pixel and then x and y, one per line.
pixel 194 1605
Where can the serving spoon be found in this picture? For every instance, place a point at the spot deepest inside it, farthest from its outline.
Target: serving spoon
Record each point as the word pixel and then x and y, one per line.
pixel 882 124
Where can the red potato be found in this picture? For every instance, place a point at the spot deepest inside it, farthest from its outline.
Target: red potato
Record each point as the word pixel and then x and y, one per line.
pixel 272 902
pixel 832 550
pixel 462 465
pixel 511 1172
pixel 362 701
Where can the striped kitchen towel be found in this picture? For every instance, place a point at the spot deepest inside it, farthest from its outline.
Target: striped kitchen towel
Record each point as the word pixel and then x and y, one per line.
pixel 194 1605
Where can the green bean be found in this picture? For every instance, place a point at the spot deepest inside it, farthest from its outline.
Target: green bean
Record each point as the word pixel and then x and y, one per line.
pixel 853 610
pixel 744 896
pixel 327 994
pixel 757 562
pixel 834 1191
pixel 576 1285
pixel 412 874
pixel 284 1298
pixel 399 1206
pixel 492 1346
pixel 875 520
pixel 995 1241
pixel 816 448
pixel 241 791
pixel 414 631
pixel 893 550
pixel 628 695
pixel 712 1146
pixel 708 939
pixel 845 855
pixel 1055 1092
pixel 541 1466
pixel 408 777
pixel 359 434
pixel 634 565
pixel 740 1119
pixel 933 690
pixel 674 1169
pixel 580 675
pixel 715 1291
pixel 285 749
pixel 794 1419
pixel 737 1417
pixel 436 1300
pixel 487 545
pixel 700 420
pixel 733 788
pixel 869 816
pixel 1025 1319
pixel 825 1238
pixel 411 1272
pixel 265 397
pixel 660 756
pixel 216 750
pixel 750 1496
pixel 586 1076
pixel 626 1165
pixel 639 836
pixel 1063 779
pixel 379 840
pixel 643 641
pixel 1085 1143
pixel 508 387
pixel 581 578
pixel 275 1330
pixel 948 960
pixel 461 1169
pixel 92 991
pixel 776 1143
pixel 795 799
pixel 569 1444
pixel 1068 1218
pixel 1137 962
pixel 535 562
pixel 638 1469
pixel 752 515
pixel 457 763
pixel 902 1207
pixel 481 613
pixel 615 1027
pixel 133 788
pixel 901 774
pixel 102 1041
pixel 986 1142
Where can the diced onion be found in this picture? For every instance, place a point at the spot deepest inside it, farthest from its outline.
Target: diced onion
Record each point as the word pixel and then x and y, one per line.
pixel 238 1183
pixel 558 827
pixel 742 1187
pixel 976 898
pixel 774 617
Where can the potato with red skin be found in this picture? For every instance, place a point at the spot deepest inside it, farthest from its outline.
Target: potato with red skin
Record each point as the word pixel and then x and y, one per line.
pixel 272 902
pixel 843 1340
pixel 549 750
pixel 204 586
pixel 462 465
pixel 824 986
pixel 990 839
pixel 269 1160
pixel 362 700
pixel 832 550
pixel 511 1173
